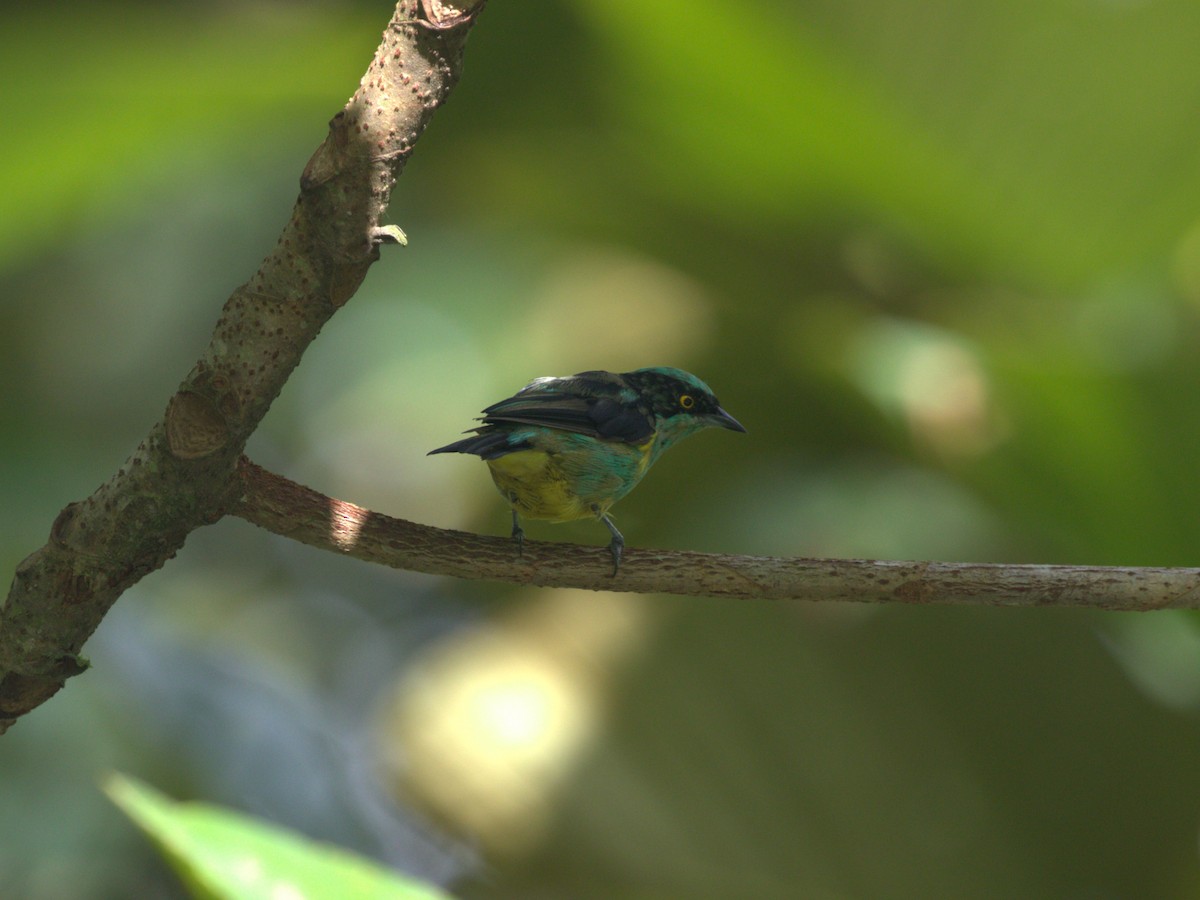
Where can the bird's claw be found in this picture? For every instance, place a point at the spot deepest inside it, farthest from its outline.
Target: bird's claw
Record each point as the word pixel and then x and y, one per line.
pixel 518 534
pixel 615 547
pixel 618 542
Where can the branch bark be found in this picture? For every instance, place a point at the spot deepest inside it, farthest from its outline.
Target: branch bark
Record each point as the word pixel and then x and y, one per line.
pixel 184 473
pixel 300 513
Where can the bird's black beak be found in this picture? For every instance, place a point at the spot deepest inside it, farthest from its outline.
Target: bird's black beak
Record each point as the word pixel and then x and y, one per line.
pixel 723 419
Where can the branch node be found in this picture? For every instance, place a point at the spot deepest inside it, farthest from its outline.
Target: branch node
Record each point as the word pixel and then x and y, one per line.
pixel 58 531
pixel 195 427
pixel 441 15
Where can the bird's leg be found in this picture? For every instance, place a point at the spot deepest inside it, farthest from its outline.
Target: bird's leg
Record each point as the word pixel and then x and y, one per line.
pixel 616 545
pixel 518 533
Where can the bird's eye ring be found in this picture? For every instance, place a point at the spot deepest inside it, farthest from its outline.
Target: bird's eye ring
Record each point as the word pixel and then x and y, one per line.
pixel 687 401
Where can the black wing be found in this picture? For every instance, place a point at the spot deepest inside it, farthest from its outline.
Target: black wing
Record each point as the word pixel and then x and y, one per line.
pixel 598 404
pixel 491 443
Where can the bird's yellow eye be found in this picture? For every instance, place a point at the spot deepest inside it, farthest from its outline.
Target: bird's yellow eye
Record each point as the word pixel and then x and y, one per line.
pixel 687 401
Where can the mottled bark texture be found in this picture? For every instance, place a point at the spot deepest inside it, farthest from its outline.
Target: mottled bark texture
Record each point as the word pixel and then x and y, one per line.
pixel 184 473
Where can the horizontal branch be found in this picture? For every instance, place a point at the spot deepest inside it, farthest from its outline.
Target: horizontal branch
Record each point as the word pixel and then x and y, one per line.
pixel 305 515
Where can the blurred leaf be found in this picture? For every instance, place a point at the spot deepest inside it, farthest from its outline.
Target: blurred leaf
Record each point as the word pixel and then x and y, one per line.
pixel 221 854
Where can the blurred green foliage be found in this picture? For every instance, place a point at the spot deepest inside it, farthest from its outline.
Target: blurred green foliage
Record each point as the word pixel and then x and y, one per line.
pixel 224 856
pixel 942 259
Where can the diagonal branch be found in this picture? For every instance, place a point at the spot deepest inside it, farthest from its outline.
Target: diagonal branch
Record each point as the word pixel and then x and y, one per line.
pixel 300 513
pixel 184 473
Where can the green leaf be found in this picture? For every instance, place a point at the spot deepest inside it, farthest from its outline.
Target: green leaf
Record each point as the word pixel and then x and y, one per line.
pixel 222 854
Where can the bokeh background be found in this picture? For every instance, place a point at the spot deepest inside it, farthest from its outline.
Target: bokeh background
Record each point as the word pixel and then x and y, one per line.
pixel 941 258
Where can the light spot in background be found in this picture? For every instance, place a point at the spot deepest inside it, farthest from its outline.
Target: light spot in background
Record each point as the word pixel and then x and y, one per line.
pixel 603 308
pixel 485 728
pixel 930 378
pixel 1161 655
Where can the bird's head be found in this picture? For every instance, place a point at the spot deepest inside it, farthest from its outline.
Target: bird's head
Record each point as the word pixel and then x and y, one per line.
pixel 682 404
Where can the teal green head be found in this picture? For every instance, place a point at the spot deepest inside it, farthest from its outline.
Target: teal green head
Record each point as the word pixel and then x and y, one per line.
pixel 569 448
pixel 681 403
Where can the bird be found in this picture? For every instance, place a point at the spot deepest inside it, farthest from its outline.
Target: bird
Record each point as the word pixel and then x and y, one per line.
pixel 566 448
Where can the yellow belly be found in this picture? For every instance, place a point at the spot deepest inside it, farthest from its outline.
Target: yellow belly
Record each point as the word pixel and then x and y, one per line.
pixel 560 486
pixel 535 488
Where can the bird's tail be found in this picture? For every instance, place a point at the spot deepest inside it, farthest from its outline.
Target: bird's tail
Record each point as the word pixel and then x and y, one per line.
pixel 488 445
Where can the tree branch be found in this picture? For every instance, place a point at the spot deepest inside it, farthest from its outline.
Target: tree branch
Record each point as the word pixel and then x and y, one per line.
pixel 184 473
pixel 300 513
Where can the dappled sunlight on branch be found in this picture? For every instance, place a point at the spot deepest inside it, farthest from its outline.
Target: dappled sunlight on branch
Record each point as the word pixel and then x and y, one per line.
pixel 345 522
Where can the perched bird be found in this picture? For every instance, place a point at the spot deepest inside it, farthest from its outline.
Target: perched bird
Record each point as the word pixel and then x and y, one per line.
pixel 569 448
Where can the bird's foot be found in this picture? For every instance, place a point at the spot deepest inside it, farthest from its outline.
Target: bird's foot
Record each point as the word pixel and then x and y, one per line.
pixel 518 534
pixel 616 545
